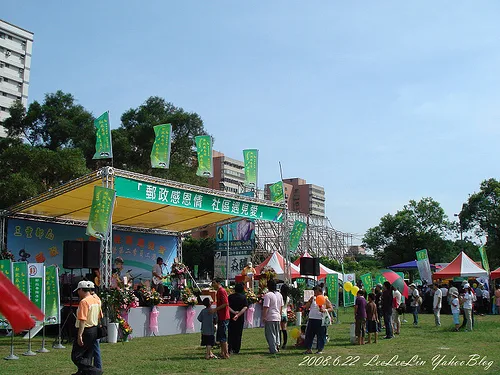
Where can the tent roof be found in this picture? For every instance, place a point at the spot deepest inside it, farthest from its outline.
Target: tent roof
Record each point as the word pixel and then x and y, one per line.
pixel 277 263
pixel 146 202
pixel 409 265
pixel 462 266
pixel 495 274
pixel 323 270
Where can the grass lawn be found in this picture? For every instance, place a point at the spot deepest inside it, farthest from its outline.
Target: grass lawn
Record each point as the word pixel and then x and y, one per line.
pixel 180 354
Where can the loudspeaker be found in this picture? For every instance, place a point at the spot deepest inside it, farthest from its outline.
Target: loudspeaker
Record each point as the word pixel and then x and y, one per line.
pixel 91 254
pixel 309 266
pixel 72 254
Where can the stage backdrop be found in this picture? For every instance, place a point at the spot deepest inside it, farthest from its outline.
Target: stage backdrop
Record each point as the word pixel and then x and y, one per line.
pixel 41 242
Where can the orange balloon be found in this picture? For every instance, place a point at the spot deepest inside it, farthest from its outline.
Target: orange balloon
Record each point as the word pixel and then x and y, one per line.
pixel 320 300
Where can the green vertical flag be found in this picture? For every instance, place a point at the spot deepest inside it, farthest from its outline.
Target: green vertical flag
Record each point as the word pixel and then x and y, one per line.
pixel 37 284
pixel 379 279
pixel 103 148
pixel 20 277
pixel 484 258
pixel 295 235
pixel 204 149
pixel 160 153
pixel 332 283
pixel 277 192
pixel 195 271
pixel 6 269
pixel 366 279
pixel 52 304
pixel 101 212
pixel 250 158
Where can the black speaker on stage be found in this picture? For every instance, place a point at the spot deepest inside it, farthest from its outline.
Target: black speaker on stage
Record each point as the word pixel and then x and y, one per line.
pixel 72 254
pixel 309 266
pixel 91 254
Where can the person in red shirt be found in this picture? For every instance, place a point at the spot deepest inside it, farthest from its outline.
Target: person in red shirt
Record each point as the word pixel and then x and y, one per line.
pixel 223 316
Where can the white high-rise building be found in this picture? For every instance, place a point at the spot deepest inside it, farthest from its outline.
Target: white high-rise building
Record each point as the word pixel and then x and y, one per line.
pixel 16 45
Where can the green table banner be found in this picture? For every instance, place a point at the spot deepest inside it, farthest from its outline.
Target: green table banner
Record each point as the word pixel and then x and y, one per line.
pixel 367 281
pixel 250 160
pixel 6 269
pixel 103 145
pixel 36 273
pixel 160 152
pixel 52 298
pixel 129 188
pixel 332 283
pixel 101 212
pixel 20 277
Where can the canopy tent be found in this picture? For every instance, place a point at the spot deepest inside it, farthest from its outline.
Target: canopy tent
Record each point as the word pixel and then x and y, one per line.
pixel 277 263
pixel 495 274
pixel 323 270
pixel 461 266
pixel 412 264
pixel 143 203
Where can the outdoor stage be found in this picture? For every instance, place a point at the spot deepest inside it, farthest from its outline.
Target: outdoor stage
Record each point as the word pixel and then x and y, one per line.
pixel 172 319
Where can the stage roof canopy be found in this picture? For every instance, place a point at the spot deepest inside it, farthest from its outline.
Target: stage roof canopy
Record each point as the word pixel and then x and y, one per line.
pixel 147 202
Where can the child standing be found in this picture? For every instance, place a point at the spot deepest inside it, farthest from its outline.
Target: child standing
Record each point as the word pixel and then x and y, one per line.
pixel 455 310
pixel 208 321
pixel 360 317
pixel 371 318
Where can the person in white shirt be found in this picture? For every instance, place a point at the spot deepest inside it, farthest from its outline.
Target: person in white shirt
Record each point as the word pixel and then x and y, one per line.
pixel 271 316
pixel 396 321
pixel 467 305
pixel 414 302
pixel 157 281
pixel 455 310
pixel 437 303
pixel 486 300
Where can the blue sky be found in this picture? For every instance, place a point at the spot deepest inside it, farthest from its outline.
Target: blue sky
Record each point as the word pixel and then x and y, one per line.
pixel 379 102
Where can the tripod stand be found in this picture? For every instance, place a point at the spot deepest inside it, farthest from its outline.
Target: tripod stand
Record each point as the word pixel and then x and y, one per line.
pixel 61 327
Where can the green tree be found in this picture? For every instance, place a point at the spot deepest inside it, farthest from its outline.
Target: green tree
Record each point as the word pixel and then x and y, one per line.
pixel 481 215
pixel 419 225
pixel 200 252
pixel 133 141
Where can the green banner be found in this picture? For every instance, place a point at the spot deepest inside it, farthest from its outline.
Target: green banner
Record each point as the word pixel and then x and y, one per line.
pixel 296 234
pixel 52 304
pixel 484 258
pixel 250 159
pixel 37 284
pixel 379 279
pixel 348 297
pixel 103 148
pixel 276 192
pixel 366 279
pixel 128 188
pixel 195 271
pixel 101 212
pixel 332 283
pixel 160 153
pixel 6 269
pixel 204 149
pixel 20 277
pixel 301 281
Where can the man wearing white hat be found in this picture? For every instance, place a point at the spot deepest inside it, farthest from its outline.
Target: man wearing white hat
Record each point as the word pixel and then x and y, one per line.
pixel 88 315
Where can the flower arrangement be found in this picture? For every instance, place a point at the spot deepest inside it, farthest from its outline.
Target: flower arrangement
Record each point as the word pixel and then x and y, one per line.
pixel 291 316
pixel 251 297
pixel 150 297
pixel 188 297
pixel 6 254
pixel 179 270
pixel 268 273
pixel 261 294
pixel 117 300
pixel 124 326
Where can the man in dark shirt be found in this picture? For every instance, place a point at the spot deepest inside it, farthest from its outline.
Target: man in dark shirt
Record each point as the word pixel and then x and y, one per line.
pixel 378 302
pixel 237 306
pixel 387 309
pixel 360 316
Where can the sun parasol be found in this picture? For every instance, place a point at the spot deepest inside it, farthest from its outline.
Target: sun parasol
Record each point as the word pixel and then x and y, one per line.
pixel 396 281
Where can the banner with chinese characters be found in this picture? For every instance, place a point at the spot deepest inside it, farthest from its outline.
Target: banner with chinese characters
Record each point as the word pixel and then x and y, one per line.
pixel 42 242
pixel 276 191
pixel 20 277
pixel 348 297
pixel 332 283
pixel 484 258
pixel 6 269
pixel 424 267
pixel 36 272
pixel 241 235
pixel 103 148
pixel 366 279
pixel 250 160
pixel 52 298
pixel 204 150
pixel 101 212
pixel 160 153
pixel 173 196
pixel 296 234
pixel 238 260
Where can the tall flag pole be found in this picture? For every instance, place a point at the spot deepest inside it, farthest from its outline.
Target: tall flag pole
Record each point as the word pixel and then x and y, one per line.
pixel 103 144
pixel 204 150
pixel 160 153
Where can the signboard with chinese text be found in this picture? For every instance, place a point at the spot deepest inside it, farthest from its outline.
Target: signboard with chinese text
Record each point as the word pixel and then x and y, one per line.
pixel 103 145
pixel 36 272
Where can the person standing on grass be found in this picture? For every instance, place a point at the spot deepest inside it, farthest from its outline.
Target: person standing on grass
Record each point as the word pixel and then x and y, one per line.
pixel 284 314
pixel 271 316
pixel 396 301
pixel 223 316
pixel 387 310
pixel 437 303
pixel 238 304
pixel 314 323
pixel 467 305
pixel 455 310
pixel 378 302
pixel 415 297
pixel 97 345
pixel 208 321
pixel 360 316
pixel 371 318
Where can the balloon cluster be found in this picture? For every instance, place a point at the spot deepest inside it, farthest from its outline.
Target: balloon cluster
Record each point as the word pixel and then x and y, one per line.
pixel 348 287
pixel 295 333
